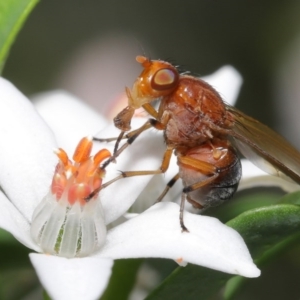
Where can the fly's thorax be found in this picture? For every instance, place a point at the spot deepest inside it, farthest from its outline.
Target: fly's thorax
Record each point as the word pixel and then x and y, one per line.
pixel 195 108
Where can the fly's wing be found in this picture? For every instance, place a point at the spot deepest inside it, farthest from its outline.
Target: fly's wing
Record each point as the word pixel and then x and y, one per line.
pixel 265 148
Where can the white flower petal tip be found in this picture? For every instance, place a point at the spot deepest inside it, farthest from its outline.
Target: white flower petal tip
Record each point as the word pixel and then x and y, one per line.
pixel 157 233
pixel 181 262
pixel 67 222
pixel 227 81
pixel 78 278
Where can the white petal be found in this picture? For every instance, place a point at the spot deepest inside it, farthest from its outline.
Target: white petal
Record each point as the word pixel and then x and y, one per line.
pixel 144 154
pixel 157 233
pixel 26 158
pixel 255 177
pixel 68 117
pixel 12 221
pixel 227 81
pixel 76 278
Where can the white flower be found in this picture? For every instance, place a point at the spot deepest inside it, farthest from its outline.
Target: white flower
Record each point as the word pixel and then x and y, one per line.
pixel 27 165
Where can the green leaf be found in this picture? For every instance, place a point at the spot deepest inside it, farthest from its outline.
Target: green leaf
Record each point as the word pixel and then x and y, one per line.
pixel 122 279
pixel 13 14
pixel 235 284
pixel 279 229
pixel 292 198
pixel 46 296
pixel 245 200
pixel 13 254
pixel 263 229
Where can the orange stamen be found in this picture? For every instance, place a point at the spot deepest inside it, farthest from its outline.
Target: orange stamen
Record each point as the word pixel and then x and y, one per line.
pixel 100 156
pixel 62 155
pixel 83 150
pixel 97 159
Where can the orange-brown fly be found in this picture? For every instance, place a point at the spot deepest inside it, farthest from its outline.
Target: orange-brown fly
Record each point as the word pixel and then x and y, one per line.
pixel 201 130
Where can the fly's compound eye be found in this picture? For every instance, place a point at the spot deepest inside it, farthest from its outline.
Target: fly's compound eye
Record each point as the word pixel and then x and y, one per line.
pixel 164 79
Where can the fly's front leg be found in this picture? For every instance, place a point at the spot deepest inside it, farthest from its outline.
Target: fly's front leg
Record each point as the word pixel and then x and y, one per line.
pixel 122 136
pixel 164 166
pixel 123 122
pixel 123 119
pixel 132 136
pixel 117 139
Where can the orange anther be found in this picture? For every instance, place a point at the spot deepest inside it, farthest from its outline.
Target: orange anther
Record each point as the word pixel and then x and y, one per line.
pixel 100 156
pixel 83 150
pixel 62 155
pixel 97 159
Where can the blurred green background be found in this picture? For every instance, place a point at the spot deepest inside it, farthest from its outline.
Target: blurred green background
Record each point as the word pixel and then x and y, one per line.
pixel 89 48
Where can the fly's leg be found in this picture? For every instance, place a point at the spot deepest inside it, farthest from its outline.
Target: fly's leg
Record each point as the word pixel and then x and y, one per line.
pixel 121 136
pixel 163 168
pixel 167 188
pixel 203 167
pixel 132 137
pixel 134 134
pixel 182 202
pixel 123 120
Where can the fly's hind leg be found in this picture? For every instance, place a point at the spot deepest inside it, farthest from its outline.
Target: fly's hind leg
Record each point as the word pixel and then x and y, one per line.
pixel 167 188
pixel 204 168
pixel 189 189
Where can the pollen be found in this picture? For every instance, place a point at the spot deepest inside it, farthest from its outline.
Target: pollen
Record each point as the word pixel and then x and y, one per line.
pixel 65 223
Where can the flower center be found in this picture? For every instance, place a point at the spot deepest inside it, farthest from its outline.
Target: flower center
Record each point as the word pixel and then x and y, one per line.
pixel 76 180
pixel 65 223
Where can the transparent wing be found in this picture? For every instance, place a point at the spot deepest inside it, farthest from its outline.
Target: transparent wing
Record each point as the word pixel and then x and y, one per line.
pixel 264 147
